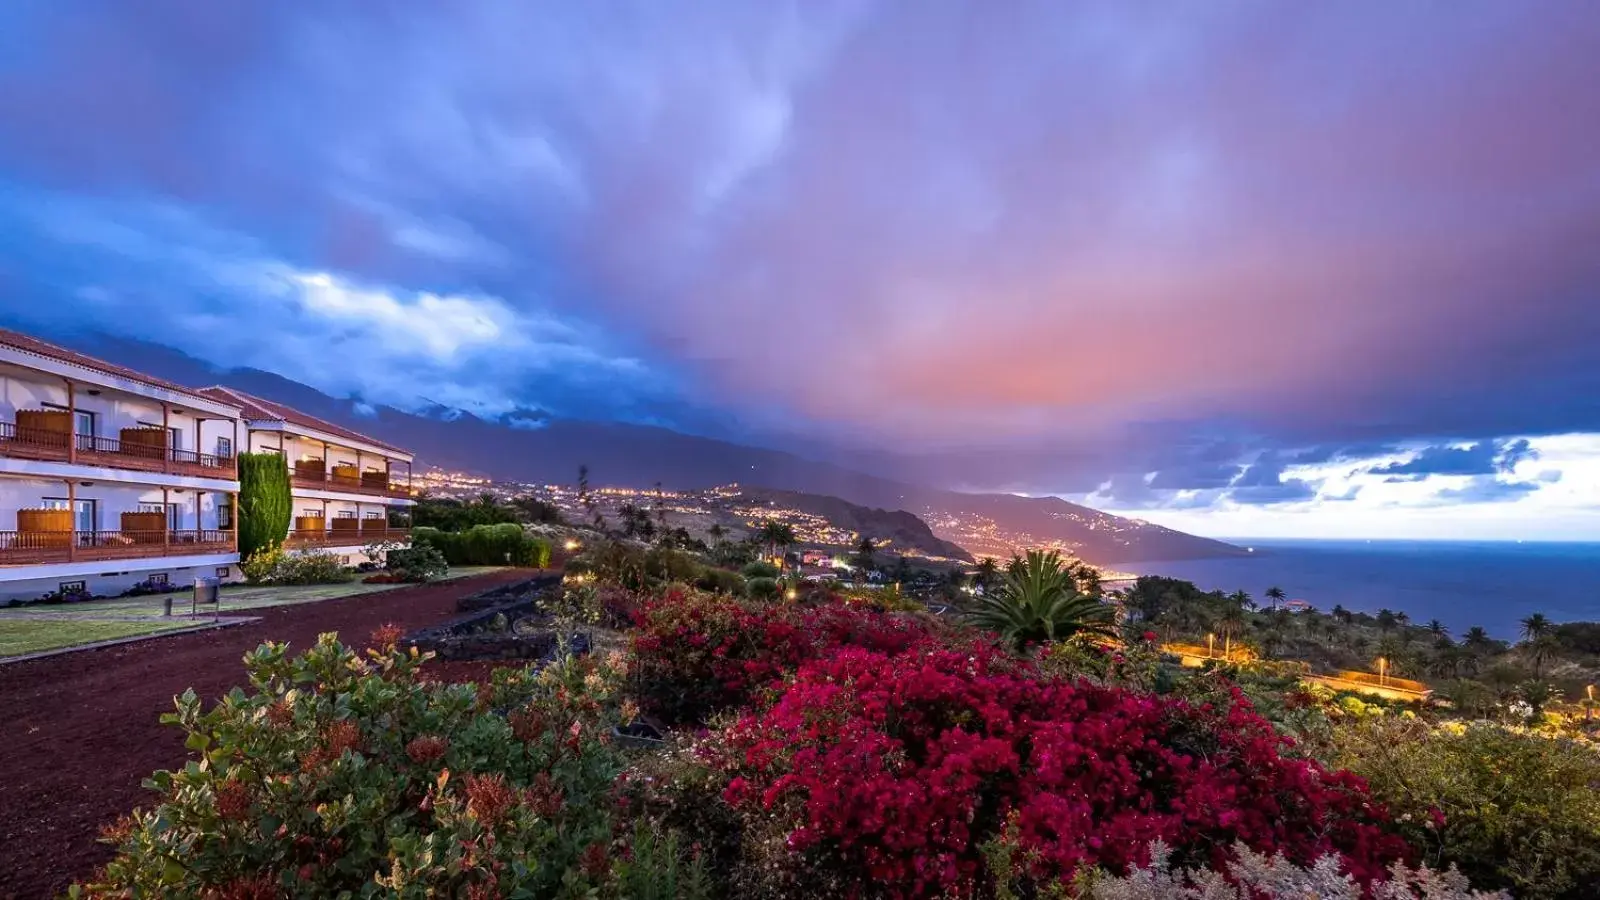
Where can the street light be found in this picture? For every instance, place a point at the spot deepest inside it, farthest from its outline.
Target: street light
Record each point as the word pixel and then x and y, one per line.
pixel 572 545
pixel 1211 645
pixel 1383 664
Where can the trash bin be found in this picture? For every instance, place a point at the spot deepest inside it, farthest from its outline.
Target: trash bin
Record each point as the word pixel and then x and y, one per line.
pixel 205 591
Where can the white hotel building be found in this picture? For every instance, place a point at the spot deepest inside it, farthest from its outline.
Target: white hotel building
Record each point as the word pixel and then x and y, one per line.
pixel 109 477
pixel 345 485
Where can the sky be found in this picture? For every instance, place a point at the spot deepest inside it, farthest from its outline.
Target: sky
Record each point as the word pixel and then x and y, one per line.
pixel 1243 268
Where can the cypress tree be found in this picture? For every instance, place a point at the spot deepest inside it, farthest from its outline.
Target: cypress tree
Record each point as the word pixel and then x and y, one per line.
pixel 265 505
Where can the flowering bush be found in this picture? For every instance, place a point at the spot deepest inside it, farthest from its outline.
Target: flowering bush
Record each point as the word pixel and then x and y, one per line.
pixel 344 774
pixel 698 654
pixel 1512 810
pixel 887 774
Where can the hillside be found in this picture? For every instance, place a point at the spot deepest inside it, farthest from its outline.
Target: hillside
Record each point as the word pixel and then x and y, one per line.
pixel 897 528
pixel 629 455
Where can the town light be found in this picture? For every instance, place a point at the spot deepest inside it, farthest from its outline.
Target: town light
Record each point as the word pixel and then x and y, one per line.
pixel 792 594
pixel 572 544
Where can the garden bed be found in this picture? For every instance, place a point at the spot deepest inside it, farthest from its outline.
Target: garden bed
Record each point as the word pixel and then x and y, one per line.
pixel 503 623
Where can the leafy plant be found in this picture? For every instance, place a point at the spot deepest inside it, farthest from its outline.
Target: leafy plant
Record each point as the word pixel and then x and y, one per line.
pixel 1511 809
pixel 265 503
pixel 416 564
pixel 274 565
pixel 1039 602
pixel 762 588
pixel 345 774
pixel 486 545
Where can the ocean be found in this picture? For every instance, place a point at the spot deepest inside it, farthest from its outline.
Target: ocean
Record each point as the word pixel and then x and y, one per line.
pixel 1460 583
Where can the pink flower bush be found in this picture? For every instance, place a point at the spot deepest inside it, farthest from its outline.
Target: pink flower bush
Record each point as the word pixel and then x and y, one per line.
pixel 698 654
pixel 892 771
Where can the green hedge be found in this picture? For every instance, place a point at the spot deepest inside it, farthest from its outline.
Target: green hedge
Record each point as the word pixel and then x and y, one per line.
pixel 486 545
pixel 265 505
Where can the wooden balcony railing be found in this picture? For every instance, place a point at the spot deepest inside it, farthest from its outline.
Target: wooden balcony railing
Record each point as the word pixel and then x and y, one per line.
pixel 303 539
pixel 55 446
pixel 19 548
pixel 328 481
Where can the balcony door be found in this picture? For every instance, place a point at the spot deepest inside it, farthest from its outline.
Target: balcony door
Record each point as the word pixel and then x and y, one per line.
pixel 85 514
pixel 174 513
pixel 82 425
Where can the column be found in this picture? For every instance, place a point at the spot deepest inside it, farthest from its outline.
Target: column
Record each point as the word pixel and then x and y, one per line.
pixel 166 439
pixel 166 527
pixel 72 426
pixel 233 533
pixel 72 506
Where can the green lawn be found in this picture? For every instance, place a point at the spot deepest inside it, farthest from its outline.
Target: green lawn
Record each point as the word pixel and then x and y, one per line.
pixel 19 636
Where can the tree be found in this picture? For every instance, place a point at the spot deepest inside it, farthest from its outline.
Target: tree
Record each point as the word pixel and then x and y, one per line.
pixel 902 569
pixel 1242 599
pixel 988 573
pixel 717 532
pixel 1386 620
pixel 1276 595
pixel 865 548
pixel 1039 601
pixel 1535 626
pixel 1230 622
pixel 266 505
pixel 1477 638
pixel 1342 614
pixel 1539 651
pixel 1437 628
pixel 775 535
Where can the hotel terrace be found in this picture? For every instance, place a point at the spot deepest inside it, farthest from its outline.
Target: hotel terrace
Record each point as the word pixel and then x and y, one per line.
pixel 109 477
pixel 345 485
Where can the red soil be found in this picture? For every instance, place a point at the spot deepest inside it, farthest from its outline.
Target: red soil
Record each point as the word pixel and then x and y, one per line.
pixel 82 729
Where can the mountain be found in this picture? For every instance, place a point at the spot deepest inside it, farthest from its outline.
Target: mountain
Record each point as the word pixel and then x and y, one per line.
pixel 897 529
pixel 530 446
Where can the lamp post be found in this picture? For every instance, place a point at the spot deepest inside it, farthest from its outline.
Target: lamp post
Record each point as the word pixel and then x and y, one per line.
pixel 1383 665
pixel 1589 713
pixel 1211 645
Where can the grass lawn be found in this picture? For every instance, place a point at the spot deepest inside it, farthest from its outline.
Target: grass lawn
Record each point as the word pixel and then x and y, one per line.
pixel 235 598
pixel 19 636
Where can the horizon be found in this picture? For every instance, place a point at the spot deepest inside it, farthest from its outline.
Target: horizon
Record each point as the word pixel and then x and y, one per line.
pixel 1225 270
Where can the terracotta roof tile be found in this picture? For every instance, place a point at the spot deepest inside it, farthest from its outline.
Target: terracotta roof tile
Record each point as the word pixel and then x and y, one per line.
pixel 29 344
pixel 259 408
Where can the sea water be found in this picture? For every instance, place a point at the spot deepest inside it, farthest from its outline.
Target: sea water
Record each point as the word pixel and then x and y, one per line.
pixel 1460 583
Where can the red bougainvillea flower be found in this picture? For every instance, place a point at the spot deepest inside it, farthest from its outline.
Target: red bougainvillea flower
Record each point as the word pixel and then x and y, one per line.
pixel 1149 637
pixel 489 797
pixel 427 748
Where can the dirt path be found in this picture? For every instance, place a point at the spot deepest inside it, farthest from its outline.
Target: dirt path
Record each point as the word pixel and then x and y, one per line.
pixel 81 730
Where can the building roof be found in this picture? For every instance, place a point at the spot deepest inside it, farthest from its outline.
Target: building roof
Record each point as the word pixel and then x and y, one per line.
pixel 32 345
pixel 259 409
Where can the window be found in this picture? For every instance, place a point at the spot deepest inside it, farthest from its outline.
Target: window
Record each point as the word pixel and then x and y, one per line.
pixel 225 514
pixel 174 513
pixel 345 514
pixel 73 587
pixel 224 447
pixel 316 513
pixel 82 425
pixel 158 578
pixel 374 515
pixel 174 435
pixel 224 572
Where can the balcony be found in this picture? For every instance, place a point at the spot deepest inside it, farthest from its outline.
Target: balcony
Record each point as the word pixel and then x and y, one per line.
pixel 312 538
pixel 22 442
pixel 312 476
pixel 22 548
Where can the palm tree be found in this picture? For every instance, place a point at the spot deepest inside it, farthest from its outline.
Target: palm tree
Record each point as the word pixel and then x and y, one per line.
pixel 717 532
pixel 1242 599
pixel 864 550
pixel 1539 650
pixel 1386 620
pixel 1477 638
pixel 1276 595
pixel 1232 622
pixel 987 574
pixel 1039 601
pixel 776 534
pixel 1535 626
pixel 1437 629
pixel 1340 613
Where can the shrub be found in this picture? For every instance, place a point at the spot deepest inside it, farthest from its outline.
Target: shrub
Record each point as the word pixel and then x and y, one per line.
pixel 1039 602
pixel 486 545
pixel 1512 810
pixel 697 654
pixel 887 775
pixel 762 588
pixel 719 581
pixel 760 569
pixel 275 566
pixel 344 775
pixel 416 564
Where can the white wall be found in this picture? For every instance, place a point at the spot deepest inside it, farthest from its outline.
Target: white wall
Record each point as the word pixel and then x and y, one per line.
pixel 296 447
pixel 113 500
pixel 112 583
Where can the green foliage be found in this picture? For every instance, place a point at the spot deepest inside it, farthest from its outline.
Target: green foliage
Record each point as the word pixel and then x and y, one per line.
pixel 1039 602
pixel 486 545
pixel 274 565
pixel 762 588
pixel 760 569
pixel 1513 810
pixel 341 774
pixel 459 515
pixel 266 506
pixel 417 564
pixel 719 581
pixel 661 869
